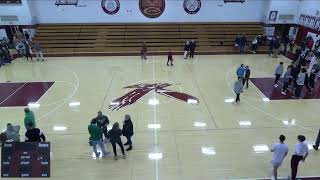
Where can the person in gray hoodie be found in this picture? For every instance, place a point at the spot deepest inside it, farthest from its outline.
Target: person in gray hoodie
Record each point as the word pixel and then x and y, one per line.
pixel 238 88
pixel 12 132
pixel 278 73
pixel 300 83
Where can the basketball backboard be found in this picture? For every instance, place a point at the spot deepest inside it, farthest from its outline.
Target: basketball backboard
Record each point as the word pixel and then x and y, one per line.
pixel 66 2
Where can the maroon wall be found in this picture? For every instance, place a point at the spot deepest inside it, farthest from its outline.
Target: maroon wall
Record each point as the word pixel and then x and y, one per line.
pixel 302 32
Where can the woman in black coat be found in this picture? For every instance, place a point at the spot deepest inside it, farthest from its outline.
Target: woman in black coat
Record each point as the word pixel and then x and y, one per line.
pixel 127 131
pixel 115 138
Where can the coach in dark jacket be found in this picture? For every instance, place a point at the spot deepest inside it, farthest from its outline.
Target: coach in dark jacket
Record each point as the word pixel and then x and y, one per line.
pixel 243 44
pixel 102 122
pixel 115 138
pixel 127 131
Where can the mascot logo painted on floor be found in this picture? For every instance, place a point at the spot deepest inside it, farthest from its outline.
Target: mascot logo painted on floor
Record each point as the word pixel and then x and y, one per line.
pixel 142 89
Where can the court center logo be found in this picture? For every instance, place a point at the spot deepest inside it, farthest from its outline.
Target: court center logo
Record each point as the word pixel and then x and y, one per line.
pixel 142 89
pixel 192 6
pixel 110 6
pixel 152 8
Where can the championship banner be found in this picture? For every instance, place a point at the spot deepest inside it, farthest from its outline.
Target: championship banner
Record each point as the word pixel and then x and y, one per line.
pixel 152 8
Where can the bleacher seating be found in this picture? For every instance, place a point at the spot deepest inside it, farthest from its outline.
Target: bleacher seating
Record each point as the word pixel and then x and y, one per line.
pixel 127 38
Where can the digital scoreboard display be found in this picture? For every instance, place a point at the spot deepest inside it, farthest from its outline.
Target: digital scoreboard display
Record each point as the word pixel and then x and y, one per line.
pixel 25 159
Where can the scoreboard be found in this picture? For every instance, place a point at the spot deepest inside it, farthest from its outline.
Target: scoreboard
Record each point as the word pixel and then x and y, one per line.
pixel 25 159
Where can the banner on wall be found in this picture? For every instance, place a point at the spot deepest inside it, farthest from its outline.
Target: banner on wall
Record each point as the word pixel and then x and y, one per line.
pixel 269 31
pixel 312 22
pixel 293 32
pixel 191 6
pixel 3 34
pixel 152 8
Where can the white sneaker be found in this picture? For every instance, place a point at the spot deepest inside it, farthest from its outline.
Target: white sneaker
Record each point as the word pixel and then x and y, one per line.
pixel 283 93
pixel 276 85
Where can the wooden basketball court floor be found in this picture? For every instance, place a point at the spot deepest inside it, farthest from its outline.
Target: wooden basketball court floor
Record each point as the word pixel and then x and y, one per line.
pixel 174 139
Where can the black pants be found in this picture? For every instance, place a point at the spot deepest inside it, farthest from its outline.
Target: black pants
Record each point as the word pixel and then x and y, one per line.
pixel 191 53
pixel 311 80
pixel 294 165
pixel 247 82
pixel 238 98
pixel 306 84
pixel 28 55
pixel 115 148
pixel 285 86
pixel 254 47
pixel 170 60
pixel 297 92
pixel 277 78
pixel 129 141
pixel 285 48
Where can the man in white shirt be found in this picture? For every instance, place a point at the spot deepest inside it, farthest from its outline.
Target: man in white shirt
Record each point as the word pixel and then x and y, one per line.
pixel 280 151
pixel 301 152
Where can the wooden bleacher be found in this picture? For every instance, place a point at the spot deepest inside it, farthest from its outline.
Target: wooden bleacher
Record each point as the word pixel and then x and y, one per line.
pixel 127 38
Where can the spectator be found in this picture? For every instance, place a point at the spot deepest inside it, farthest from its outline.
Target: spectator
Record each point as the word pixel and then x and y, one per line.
pixel 38 49
pixel 27 36
pixel 102 122
pixel 193 46
pixel 301 152
pixel 144 51
pixel 285 43
pixel 300 83
pixel 291 45
pixel 115 138
pixel 237 41
pixel 34 134
pixel 29 118
pixel 314 71
pixel 186 50
pixel 127 131
pixel 2 56
pixel 238 87
pixel 286 80
pixel 28 51
pixel 276 48
pixel 271 46
pixel 316 44
pixel 241 72
pixel 170 58
pixel 20 49
pixel 243 44
pixel 12 132
pixel 280 151
pixel 254 45
pixel 96 137
pixel 247 76
pixel 278 73
pixel 316 145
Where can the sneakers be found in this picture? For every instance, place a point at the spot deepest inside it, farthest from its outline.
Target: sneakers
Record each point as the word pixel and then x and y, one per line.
pixel 98 155
pixel 116 158
pixel 315 147
pixel 283 93
pixel 276 85
pixel 129 149
pixel 124 156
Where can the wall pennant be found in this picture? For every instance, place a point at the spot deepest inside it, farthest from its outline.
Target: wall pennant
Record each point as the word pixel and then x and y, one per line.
pixel 152 8
pixel 192 6
pixel 110 6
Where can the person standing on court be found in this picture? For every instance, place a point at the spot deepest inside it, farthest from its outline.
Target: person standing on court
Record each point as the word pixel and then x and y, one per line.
pixel 247 76
pixel 316 145
pixel 278 73
pixel 271 46
pixel 186 49
pixel 301 152
pixel 144 51
pixel 170 58
pixel 313 72
pixel 286 80
pixel 38 49
pixel 127 131
pixel 28 51
pixel 285 43
pixel 276 48
pixel 29 118
pixel 280 151
pixel 241 72
pixel 291 45
pixel 27 36
pixel 300 83
pixel 12 132
pixel 96 137
pixel 243 44
pixel 193 46
pixel 115 138
pixel 102 122
pixel 34 134
pixel 238 89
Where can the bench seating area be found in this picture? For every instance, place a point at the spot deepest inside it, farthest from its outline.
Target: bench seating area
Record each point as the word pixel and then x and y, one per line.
pixel 127 38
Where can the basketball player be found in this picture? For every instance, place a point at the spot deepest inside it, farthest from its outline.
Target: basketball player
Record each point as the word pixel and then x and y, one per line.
pixel 238 89
pixel 280 151
pixel 170 58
